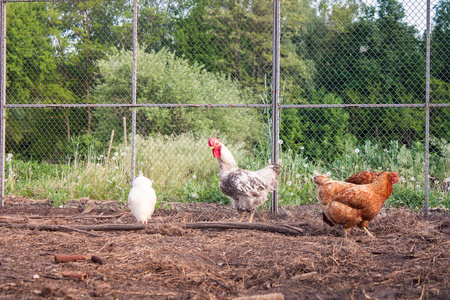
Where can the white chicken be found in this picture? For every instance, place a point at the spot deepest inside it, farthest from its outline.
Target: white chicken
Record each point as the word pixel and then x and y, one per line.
pixel 142 199
pixel 247 189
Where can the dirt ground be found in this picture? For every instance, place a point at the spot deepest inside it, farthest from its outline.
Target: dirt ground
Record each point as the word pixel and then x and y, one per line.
pixel 408 259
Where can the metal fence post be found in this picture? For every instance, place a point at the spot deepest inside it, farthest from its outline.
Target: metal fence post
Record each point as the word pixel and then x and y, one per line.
pixel 133 109
pixel 2 98
pixel 427 110
pixel 275 94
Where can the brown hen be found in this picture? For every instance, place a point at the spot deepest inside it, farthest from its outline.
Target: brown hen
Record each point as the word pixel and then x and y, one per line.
pixel 349 204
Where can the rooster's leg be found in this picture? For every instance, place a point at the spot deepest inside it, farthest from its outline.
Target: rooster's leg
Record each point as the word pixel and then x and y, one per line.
pixel 242 215
pixel 250 219
pixel 367 231
pixel 345 233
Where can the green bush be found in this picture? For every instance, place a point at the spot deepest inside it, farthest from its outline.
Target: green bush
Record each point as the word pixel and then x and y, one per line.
pixel 163 78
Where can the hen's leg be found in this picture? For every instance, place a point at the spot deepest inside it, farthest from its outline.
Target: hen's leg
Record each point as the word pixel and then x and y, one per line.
pixel 367 231
pixel 345 233
pixel 242 215
pixel 250 219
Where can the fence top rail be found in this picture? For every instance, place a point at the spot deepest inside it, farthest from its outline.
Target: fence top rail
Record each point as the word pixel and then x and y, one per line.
pixel 209 105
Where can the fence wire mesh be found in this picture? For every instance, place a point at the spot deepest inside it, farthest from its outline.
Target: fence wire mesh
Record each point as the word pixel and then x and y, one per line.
pixel 352 96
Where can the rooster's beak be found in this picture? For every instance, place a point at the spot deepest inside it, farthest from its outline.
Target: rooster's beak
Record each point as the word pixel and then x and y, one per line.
pixel 212 147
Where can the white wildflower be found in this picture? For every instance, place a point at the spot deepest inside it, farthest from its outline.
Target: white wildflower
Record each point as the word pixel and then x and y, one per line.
pixel 356 150
pixel 363 49
pixel 193 176
pixel 280 142
pixel 437 182
pixel 413 178
pixel 289 183
pixel 116 154
pixel 101 156
pixel 305 165
pixel 447 179
pixel 301 148
pixel 248 166
pixel 194 195
pixel 297 176
pixel 123 154
pixel 116 167
pixel 10 155
pixel 328 173
pixel 379 168
pixel 315 172
pixel 113 158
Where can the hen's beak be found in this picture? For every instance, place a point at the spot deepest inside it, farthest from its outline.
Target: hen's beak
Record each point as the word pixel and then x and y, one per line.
pixel 212 147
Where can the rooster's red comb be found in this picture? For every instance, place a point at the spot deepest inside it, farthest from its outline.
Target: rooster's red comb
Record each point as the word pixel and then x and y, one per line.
pixel 212 141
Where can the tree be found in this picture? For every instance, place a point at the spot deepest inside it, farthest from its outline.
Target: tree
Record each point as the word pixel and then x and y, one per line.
pixel 378 60
pixel 234 37
pixel 90 29
pixel 33 77
pixel 440 37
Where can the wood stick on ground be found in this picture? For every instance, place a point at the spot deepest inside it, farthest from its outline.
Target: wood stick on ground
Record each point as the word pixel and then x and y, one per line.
pixel 279 228
pixel 62 258
pixel 75 275
pixel 273 296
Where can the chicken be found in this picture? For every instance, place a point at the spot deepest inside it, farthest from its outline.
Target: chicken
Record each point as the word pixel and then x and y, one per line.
pixel 349 204
pixel 142 199
pixel 364 177
pixel 247 189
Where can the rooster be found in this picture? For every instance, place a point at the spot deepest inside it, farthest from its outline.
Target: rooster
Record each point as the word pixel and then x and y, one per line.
pixel 247 189
pixel 349 204
pixel 142 199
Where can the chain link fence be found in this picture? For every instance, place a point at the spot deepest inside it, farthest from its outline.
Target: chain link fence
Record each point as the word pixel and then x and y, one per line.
pixel 352 96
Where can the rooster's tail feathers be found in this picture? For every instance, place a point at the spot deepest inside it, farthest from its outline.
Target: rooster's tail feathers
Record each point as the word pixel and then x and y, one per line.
pixel 276 168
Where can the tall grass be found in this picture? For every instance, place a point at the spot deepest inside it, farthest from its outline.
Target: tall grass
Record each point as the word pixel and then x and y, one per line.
pixel 183 169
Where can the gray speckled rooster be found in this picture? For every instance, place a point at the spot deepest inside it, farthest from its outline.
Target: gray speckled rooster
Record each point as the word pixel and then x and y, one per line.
pixel 247 189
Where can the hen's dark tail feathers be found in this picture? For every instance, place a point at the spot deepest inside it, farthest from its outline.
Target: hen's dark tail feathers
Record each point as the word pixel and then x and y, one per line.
pixel 276 168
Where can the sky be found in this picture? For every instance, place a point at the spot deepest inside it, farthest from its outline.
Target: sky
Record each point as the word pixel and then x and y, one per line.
pixel 416 12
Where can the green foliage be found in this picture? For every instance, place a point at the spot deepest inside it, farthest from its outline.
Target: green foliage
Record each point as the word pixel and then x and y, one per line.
pixel 183 170
pixel 322 133
pixel 164 78
pixel 440 65
pixel 236 36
